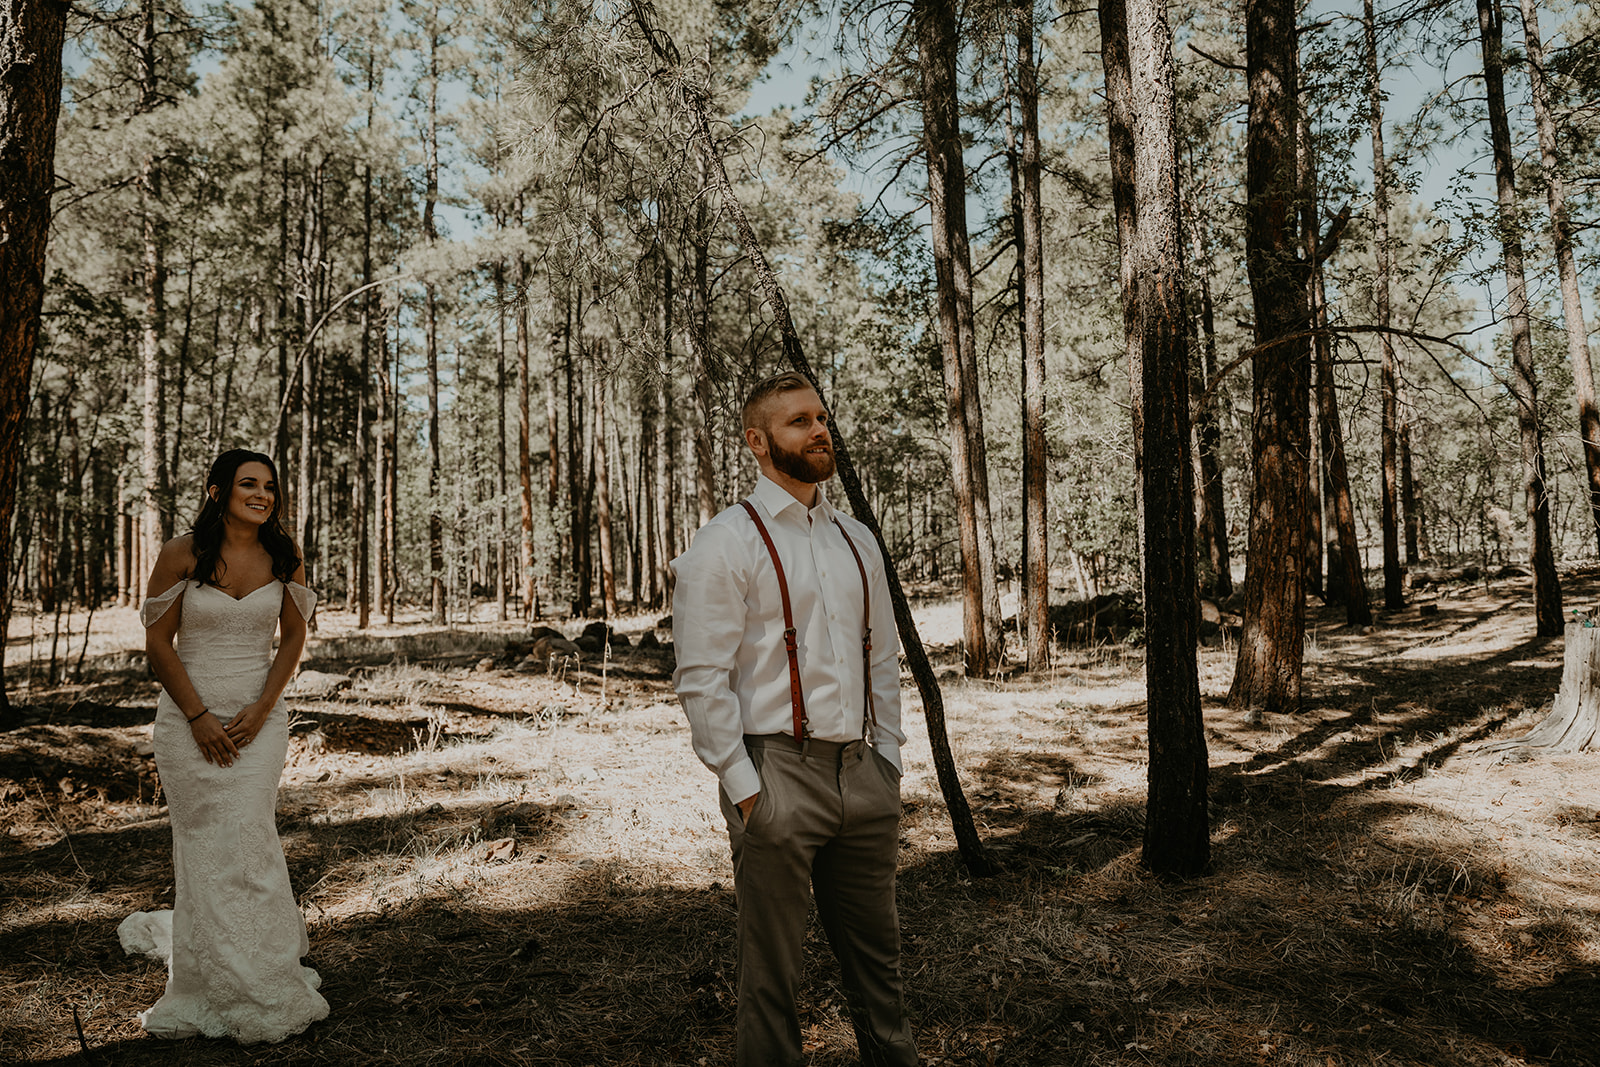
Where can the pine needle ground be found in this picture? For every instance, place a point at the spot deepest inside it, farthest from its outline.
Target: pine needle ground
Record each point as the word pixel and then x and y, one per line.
pixel 500 867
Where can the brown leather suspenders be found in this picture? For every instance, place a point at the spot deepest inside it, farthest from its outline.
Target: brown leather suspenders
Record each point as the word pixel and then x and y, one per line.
pixel 869 713
pixel 802 725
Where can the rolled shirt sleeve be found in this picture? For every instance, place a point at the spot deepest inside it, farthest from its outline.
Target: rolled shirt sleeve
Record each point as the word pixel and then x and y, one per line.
pixel 708 624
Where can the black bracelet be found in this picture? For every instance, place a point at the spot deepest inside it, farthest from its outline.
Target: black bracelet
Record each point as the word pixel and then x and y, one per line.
pixel 202 711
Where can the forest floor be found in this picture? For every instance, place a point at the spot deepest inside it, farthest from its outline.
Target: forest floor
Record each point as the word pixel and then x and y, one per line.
pixel 501 867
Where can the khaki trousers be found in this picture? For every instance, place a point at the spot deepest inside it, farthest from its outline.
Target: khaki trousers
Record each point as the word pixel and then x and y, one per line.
pixel 827 820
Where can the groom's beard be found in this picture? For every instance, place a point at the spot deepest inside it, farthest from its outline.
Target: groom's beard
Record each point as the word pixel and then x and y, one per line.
pixel 801 466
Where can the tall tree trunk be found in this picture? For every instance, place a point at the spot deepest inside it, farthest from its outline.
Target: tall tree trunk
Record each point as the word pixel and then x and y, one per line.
pixel 1138 44
pixel 602 486
pixel 580 481
pixel 1120 121
pixel 389 534
pixel 1033 613
pixel 280 437
pixel 1546 584
pixel 666 451
pixel 309 480
pixel 705 481
pixel 1566 264
pixel 937 46
pixel 360 516
pixel 430 326
pixel 1216 566
pixel 1394 596
pixel 1272 645
pixel 525 440
pixel 125 550
pixel 1410 508
pixel 380 475
pixel 1310 234
pixel 31 37
pixel 153 315
pixel 502 579
pixel 1347 582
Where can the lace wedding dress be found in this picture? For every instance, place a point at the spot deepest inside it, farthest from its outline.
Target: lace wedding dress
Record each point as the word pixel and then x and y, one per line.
pixel 234 937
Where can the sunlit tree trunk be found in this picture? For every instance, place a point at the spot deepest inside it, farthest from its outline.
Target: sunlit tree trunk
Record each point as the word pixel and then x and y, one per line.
pixel 1272 642
pixel 602 486
pixel 1546 584
pixel 1393 574
pixel 1137 50
pixel 937 46
pixel 430 329
pixel 1033 613
pixel 1211 530
pixel 1566 264
pixel 359 516
pixel 153 313
pixel 30 101
pixel 502 577
pixel 1346 581
pixel 1311 236
pixel 667 448
pixel 525 440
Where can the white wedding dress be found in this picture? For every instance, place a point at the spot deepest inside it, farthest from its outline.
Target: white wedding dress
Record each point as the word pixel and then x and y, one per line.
pixel 234 937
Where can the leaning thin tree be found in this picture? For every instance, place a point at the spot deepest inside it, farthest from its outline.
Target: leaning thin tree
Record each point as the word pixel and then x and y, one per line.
pixel 31 35
pixel 973 854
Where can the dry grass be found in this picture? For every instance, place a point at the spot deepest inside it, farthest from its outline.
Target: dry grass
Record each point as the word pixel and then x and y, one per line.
pixel 522 869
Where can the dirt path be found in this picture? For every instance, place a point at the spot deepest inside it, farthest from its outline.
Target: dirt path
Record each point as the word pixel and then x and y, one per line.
pixel 502 867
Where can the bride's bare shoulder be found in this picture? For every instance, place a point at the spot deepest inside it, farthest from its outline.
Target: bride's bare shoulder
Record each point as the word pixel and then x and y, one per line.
pixel 175 562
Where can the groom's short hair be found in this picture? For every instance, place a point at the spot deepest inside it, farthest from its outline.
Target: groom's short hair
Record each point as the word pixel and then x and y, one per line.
pixel 754 414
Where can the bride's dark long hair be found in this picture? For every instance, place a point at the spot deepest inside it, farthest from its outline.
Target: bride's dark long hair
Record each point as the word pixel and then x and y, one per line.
pixel 208 527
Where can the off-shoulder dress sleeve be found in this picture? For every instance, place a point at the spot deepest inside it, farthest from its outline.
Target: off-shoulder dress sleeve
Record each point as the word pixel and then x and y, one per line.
pixel 305 601
pixel 156 606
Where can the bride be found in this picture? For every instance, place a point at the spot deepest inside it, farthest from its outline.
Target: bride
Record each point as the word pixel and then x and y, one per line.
pixel 234 937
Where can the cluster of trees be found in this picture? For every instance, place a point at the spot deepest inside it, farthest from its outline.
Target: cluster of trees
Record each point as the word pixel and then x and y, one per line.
pixel 471 275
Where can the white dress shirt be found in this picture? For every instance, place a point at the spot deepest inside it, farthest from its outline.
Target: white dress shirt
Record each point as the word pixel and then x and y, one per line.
pixel 732 676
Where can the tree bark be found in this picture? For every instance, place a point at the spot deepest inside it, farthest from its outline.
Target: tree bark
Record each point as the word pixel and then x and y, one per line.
pixel 1566 263
pixel 1546 584
pixel 1311 236
pixel 360 515
pixel 937 46
pixel 1177 837
pixel 1347 582
pixel 667 449
pixel 1216 565
pixel 31 36
pixel 502 579
pixel 705 480
pixel 1120 122
pixel 1394 597
pixel 1272 644
pixel 602 486
pixel 1033 614
pixel 430 327
pixel 525 441
pixel 153 314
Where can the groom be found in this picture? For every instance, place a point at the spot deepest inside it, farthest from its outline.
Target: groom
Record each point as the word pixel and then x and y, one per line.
pixel 789 675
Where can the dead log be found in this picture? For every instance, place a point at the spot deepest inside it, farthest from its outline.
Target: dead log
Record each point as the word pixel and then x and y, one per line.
pixel 1573 724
